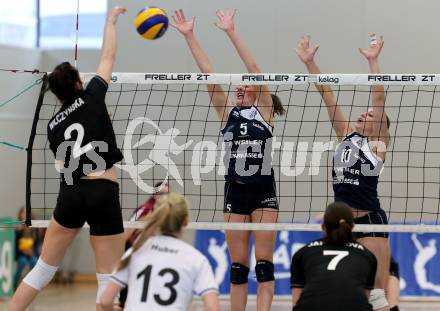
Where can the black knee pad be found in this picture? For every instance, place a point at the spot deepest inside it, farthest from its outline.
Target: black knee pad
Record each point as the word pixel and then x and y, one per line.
pixel 239 273
pixel 264 271
pixel 395 308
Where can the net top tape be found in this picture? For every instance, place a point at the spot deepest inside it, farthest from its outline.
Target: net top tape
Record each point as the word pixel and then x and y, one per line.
pixel 424 228
pixel 271 79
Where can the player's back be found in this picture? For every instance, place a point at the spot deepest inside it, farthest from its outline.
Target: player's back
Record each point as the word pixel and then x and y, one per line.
pixel 333 277
pixel 164 274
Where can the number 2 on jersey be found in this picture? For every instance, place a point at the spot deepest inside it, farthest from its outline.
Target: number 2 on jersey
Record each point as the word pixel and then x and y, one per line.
pixel 170 285
pixel 77 149
pixel 338 257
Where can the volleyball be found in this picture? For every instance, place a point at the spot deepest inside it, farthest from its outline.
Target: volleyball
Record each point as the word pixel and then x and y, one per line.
pixel 151 23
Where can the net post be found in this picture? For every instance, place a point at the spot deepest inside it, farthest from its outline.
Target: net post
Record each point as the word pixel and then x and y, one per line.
pixel 28 221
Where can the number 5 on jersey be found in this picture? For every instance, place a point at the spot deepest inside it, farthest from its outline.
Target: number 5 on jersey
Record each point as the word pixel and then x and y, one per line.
pixel 243 128
pixel 339 255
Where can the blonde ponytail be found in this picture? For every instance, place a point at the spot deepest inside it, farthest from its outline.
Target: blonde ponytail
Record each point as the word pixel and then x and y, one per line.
pixel 169 216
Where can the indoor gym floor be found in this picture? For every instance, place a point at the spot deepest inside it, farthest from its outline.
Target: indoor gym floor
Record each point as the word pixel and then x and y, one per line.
pixel 79 297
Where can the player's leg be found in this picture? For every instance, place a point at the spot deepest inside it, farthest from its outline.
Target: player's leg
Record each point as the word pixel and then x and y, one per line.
pixel 264 246
pixel 238 246
pixel 393 292
pixel 378 244
pixel 393 286
pixel 266 204
pixel 108 251
pixel 380 248
pixel 106 228
pixel 56 241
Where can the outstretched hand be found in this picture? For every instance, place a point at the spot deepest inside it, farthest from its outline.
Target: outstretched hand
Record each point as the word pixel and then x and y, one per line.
pixel 225 20
pixel 182 25
pixel 305 51
pixel 373 52
pixel 114 13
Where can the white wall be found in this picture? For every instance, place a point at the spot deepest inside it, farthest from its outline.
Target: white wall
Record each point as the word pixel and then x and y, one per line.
pixel 15 123
pixel 271 30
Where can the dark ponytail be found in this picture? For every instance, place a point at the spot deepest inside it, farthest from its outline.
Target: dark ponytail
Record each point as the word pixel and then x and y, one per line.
pixel 63 82
pixel 338 224
pixel 278 108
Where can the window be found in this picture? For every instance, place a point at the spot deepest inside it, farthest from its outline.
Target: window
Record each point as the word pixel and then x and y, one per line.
pixel 58 23
pixel 18 23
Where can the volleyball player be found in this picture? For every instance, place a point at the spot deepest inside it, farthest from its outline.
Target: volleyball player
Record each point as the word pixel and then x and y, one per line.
pixel 162 271
pixel 140 214
pixel 247 127
pixel 358 160
pixel 335 273
pixel 94 198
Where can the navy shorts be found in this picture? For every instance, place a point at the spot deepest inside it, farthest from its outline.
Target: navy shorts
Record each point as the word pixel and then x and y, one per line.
pixel 246 198
pixel 95 201
pixel 375 218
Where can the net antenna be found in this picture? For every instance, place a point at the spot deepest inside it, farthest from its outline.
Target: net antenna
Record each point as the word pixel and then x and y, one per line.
pixel 76 35
pixel 169 132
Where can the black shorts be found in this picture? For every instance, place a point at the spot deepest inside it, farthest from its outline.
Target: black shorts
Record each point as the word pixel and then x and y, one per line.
pixel 245 198
pixel 95 201
pixel 376 218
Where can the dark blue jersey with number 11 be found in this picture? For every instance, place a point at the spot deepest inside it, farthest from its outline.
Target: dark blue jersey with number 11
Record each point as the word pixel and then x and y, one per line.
pixel 356 171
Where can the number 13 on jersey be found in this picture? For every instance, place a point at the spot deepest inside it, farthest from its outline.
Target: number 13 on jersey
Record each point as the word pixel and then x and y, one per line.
pixel 148 273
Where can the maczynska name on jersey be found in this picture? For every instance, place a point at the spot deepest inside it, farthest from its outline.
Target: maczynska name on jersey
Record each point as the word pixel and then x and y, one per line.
pixel 61 116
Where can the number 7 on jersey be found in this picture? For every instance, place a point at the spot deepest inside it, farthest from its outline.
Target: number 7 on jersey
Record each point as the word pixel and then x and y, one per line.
pixel 339 255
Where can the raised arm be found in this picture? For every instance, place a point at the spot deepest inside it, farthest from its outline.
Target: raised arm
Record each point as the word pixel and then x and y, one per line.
pixel 109 44
pixel 226 23
pixel 380 128
pixel 340 123
pixel 218 96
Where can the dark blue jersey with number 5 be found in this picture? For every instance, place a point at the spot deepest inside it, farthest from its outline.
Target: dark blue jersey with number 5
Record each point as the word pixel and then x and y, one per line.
pixel 248 146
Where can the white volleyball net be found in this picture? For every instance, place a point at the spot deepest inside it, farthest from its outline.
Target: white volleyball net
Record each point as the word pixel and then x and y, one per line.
pixel 168 130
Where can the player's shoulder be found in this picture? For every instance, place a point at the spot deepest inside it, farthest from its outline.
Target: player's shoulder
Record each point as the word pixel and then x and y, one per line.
pixel 96 89
pixel 98 80
pixel 308 248
pixel 182 248
pixel 362 250
pixel 188 248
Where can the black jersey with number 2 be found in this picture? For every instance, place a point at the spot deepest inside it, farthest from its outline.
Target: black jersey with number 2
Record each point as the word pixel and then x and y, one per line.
pixel 82 133
pixel 333 278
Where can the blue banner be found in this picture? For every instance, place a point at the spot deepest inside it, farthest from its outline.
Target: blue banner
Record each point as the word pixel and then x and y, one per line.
pixel 417 255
